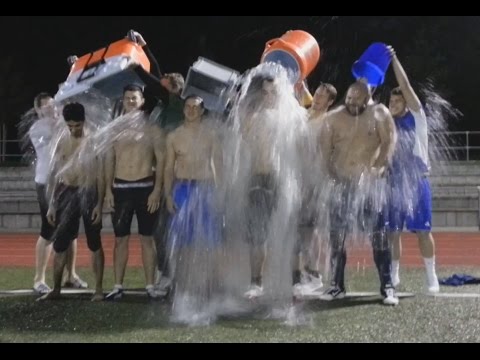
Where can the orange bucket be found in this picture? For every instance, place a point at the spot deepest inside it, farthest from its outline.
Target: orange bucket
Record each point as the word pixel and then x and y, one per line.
pixel 297 51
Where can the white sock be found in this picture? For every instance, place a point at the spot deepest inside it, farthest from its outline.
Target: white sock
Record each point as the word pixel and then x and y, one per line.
pixel 149 287
pixel 395 267
pixel 430 267
pixel 118 287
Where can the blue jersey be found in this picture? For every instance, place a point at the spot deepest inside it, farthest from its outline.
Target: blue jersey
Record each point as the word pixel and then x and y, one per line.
pixel 410 197
pixel 411 152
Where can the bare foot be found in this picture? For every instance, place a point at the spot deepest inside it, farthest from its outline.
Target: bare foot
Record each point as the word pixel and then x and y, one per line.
pixel 52 295
pixel 98 296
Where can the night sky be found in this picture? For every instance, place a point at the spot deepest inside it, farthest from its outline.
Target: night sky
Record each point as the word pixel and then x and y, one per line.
pixel 443 51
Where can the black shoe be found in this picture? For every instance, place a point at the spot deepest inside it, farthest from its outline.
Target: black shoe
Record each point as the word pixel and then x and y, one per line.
pixel 334 293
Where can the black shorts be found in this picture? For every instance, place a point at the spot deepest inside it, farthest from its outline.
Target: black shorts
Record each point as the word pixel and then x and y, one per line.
pixel 348 214
pixel 46 230
pixel 262 200
pixel 130 200
pixel 308 216
pixel 72 204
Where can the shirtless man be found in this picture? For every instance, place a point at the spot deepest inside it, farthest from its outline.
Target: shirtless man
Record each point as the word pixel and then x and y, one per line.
pixel 132 187
pixel 262 196
pixel 70 202
pixel 307 250
pixel 190 178
pixel 41 134
pixel 358 142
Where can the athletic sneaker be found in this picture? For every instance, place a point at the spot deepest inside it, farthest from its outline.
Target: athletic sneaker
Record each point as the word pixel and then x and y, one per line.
pixel 41 288
pixel 390 298
pixel 334 293
pixel 116 294
pixel 254 292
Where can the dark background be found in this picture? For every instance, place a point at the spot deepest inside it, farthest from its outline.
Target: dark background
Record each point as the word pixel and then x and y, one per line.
pixel 437 51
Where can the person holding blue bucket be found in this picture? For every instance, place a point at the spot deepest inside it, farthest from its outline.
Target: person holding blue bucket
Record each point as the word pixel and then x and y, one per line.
pixel 411 198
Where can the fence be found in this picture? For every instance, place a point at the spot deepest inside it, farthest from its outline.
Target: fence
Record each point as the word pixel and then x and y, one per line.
pixel 461 150
pixel 10 152
pixel 455 145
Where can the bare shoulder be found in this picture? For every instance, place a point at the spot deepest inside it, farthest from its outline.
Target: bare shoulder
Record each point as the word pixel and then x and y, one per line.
pixel 334 116
pixel 210 132
pixel 63 142
pixel 155 131
pixel 174 135
pixel 35 126
pixel 381 112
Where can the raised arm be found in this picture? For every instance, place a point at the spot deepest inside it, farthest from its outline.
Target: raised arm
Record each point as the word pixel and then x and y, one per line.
pixel 152 78
pixel 413 102
pixel 155 68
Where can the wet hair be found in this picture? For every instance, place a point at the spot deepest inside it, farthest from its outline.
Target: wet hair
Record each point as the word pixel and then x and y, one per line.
pixel 133 87
pixel 196 97
pixel 397 91
pixel 74 112
pixel 331 90
pixel 37 102
pixel 256 84
pixel 361 86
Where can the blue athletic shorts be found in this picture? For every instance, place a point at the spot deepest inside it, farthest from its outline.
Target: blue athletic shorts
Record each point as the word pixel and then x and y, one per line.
pixel 196 221
pixel 417 217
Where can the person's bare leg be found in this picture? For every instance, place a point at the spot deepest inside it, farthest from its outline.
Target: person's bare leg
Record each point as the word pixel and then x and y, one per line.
pixel 426 244
pixel 98 262
pixel 427 248
pixel 396 241
pixel 312 260
pixel 59 261
pixel 312 251
pixel 149 259
pixel 71 277
pixel 43 250
pixel 258 256
pixel 120 258
pixel 72 262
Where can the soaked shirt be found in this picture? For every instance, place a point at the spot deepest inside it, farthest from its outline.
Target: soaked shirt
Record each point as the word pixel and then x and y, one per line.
pixel 41 134
pixel 412 143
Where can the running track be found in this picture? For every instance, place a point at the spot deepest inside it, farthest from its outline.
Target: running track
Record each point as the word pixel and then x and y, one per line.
pixel 453 249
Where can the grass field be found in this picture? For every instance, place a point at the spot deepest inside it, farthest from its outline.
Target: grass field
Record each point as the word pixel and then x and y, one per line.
pixel 136 319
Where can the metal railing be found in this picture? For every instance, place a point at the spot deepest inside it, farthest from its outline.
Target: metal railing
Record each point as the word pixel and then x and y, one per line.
pixel 9 155
pixel 458 146
pixel 462 148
